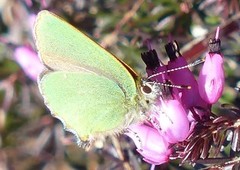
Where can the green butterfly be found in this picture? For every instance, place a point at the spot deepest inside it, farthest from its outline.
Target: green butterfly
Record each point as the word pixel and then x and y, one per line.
pixel 93 92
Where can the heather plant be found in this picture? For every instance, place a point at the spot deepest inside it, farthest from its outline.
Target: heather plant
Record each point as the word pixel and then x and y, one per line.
pixel 189 65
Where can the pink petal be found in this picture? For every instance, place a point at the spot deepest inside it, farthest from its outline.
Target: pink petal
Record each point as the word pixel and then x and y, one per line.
pixel 173 121
pixel 190 97
pixel 211 78
pixel 29 61
pixel 154 158
pixel 150 143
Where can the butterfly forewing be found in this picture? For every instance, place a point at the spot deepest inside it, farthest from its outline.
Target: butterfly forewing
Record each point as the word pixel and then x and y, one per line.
pixel 63 47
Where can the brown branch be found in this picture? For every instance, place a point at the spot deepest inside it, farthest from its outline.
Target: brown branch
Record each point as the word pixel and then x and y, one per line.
pixel 195 48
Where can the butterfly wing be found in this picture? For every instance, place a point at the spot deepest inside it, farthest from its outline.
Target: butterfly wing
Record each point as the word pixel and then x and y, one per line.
pixel 85 85
pixel 88 103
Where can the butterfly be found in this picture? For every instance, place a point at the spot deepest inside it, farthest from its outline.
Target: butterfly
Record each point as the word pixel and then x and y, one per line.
pixel 89 89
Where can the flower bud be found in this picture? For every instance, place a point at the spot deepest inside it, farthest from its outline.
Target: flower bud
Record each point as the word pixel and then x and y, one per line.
pixel 29 61
pixel 211 78
pixel 173 121
pixel 190 97
pixel 150 143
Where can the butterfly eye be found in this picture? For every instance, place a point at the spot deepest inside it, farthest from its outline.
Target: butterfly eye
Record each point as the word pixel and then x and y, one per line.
pixel 146 89
pixel 151 90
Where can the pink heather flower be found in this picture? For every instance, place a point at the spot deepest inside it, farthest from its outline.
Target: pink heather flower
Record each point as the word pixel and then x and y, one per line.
pixel 154 66
pixel 211 77
pixel 150 143
pixel 29 61
pixel 189 97
pixel 173 120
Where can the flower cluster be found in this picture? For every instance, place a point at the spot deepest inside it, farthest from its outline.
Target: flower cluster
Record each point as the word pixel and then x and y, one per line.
pixel 182 102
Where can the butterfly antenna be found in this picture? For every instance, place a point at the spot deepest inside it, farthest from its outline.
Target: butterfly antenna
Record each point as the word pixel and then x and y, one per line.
pixel 171 85
pixel 179 68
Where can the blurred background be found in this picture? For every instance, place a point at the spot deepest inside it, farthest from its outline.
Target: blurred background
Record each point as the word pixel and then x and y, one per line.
pixel 31 139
